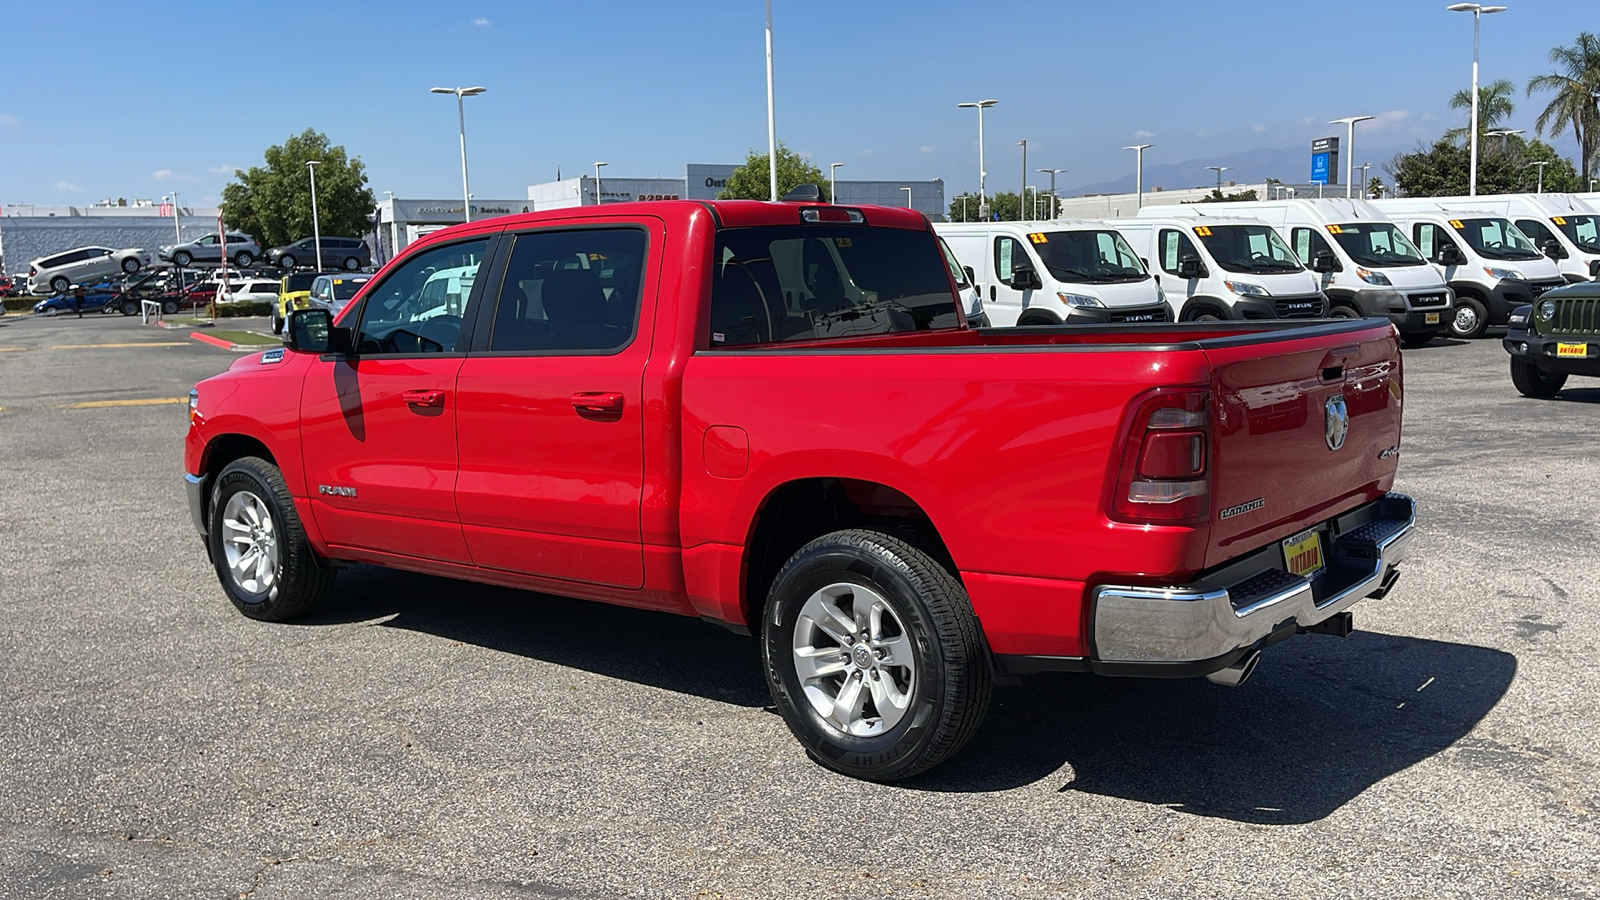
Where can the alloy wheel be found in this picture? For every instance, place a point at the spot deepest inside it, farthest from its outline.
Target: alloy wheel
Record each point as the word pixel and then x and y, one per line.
pixel 855 662
pixel 250 543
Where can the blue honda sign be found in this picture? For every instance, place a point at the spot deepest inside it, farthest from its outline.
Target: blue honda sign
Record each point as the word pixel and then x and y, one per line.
pixel 1319 168
pixel 1325 161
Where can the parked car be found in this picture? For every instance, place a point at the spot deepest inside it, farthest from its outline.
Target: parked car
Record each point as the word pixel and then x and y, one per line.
pixel 242 250
pixel 696 408
pixel 7 287
pixel 56 273
pixel 294 292
pixel 332 292
pixel 349 254
pixel 252 290
pixel 99 298
pixel 1556 336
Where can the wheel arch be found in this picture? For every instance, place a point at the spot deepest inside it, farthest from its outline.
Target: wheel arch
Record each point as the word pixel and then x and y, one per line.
pixel 1036 316
pixel 221 450
pixel 1203 301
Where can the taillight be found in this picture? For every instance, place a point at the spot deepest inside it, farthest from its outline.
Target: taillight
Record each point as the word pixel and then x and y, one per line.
pixel 1164 476
pixel 32 271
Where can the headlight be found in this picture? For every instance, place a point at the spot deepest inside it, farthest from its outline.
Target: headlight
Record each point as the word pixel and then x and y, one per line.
pixel 1078 300
pixel 1371 277
pixel 977 305
pixel 1495 272
pixel 194 404
pixel 1547 309
pixel 1245 289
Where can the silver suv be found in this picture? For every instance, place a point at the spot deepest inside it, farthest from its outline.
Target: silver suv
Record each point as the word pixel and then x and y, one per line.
pixel 58 272
pixel 242 250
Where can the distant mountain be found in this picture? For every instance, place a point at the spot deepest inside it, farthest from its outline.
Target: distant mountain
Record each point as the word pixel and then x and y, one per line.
pixel 1287 164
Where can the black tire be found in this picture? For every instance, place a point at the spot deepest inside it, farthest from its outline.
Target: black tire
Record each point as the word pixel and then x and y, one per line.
pixel 948 688
pixel 351 264
pixel 286 261
pixel 1344 312
pixel 300 580
pixel 182 258
pixel 130 265
pixel 168 307
pixel 1531 382
pixel 243 258
pixel 277 323
pixel 1470 318
pixel 1201 314
pixel 1417 338
pixel 60 283
pixel 130 308
pixel 1035 319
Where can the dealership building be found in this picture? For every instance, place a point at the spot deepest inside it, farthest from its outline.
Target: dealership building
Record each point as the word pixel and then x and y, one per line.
pixel 28 232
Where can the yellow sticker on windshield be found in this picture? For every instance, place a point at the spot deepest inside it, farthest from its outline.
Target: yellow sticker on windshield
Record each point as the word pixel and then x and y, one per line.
pixel 1334 229
pixel 338 281
pixel 1202 230
pixel 842 243
pixel 1456 224
pixel 1558 220
pixel 1038 237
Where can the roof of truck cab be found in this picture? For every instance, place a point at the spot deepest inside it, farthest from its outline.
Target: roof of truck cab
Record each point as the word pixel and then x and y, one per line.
pixel 1183 221
pixel 1030 225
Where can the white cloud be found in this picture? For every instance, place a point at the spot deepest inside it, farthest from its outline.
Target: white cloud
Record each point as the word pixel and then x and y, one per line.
pixel 161 174
pixel 1427 117
pixel 805 154
pixel 481 22
pixel 1141 135
pixel 1386 119
pixel 866 152
pixel 67 186
pixel 928 148
pixel 1259 128
pixel 9 121
pixel 222 170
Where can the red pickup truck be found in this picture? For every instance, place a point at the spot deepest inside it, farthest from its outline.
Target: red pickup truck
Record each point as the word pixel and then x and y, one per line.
pixel 774 417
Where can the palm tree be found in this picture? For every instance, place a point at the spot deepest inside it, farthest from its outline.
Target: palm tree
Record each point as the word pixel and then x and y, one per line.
pixel 1575 81
pixel 1494 107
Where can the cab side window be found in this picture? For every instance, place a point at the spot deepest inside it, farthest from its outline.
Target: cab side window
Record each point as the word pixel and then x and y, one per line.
pixel 1535 231
pixel 1308 242
pixel 571 291
pixel 1430 239
pixel 1007 250
pixel 419 307
pixel 1175 247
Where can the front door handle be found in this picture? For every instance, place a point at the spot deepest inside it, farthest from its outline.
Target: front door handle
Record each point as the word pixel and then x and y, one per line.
pixel 431 399
pixel 605 403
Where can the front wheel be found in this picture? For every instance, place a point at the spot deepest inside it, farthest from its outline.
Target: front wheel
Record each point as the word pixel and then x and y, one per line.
pixel 1531 382
pixel 259 546
pixel 243 258
pixel 873 656
pixel 182 258
pixel 286 261
pixel 1470 320
pixel 277 323
pixel 168 307
pixel 351 264
pixel 130 265
pixel 1343 312
pixel 130 308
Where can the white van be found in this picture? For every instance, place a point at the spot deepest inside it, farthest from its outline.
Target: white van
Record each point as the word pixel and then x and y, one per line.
pixel 1365 264
pixel 1224 268
pixel 1488 262
pixel 1049 273
pixel 1563 227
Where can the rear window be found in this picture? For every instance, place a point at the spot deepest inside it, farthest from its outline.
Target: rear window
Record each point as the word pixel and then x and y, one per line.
pixel 802 282
pixel 345 288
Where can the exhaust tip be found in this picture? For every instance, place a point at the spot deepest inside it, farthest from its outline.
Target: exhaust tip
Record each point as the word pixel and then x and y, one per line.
pixel 1235 675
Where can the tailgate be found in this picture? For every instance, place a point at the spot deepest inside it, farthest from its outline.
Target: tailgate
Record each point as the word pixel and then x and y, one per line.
pixel 1307 428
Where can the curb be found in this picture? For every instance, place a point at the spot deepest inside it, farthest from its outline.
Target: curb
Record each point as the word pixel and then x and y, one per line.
pixel 227 345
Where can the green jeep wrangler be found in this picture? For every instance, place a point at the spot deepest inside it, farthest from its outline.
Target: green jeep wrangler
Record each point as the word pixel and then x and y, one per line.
pixel 1557 336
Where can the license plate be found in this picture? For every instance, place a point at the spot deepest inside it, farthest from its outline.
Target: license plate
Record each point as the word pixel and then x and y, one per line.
pixel 1302 554
pixel 1570 350
pixel 1430 318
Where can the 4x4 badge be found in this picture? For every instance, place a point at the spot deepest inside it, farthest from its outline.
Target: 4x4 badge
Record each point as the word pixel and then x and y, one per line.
pixel 1337 422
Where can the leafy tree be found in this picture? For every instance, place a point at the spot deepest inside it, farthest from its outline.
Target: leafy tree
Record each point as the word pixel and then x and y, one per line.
pixel 1217 196
pixel 1375 188
pixel 1005 206
pixel 1442 170
pixel 753 180
pixel 1575 81
pixel 1494 108
pixel 273 202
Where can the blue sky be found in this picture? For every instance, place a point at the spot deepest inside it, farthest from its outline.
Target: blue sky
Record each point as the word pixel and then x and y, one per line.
pixel 172 97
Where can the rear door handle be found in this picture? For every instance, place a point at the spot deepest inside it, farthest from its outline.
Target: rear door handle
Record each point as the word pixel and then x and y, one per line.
pixel 605 403
pixel 432 399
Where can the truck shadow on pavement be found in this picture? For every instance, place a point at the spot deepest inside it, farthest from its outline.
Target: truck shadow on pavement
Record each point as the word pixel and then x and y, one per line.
pixel 1322 720
pixel 1580 395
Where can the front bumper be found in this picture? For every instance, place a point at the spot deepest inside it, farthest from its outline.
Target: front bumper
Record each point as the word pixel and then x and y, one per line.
pixel 1510 293
pixel 1411 313
pixel 1249 603
pixel 194 487
pixel 1095 315
pixel 1541 350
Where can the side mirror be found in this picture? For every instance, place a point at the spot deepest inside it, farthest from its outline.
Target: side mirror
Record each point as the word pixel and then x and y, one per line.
pixel 1554 250
pixel 1450 255
pixel 1190 267
pixel 313 331
pixel 1594 268
pixel 1325 261
pixel 1023 277
pixel 972 277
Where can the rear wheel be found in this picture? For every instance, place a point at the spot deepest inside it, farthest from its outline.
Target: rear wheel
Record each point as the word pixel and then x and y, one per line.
pixel 1531 382
pixel 60 283
pixel 873 656
pixel 277 323
pixel 182 258
pixel 130 265
pixel 351 264
pixel 243 258
pixel 168 307
pixel 130 308
pixel 259 546
pixel 1470 319
pixel 286 261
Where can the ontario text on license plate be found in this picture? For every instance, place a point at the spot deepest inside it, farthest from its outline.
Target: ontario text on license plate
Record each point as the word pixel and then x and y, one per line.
pixel 1578 350
pixel 1302 554
pixel 1430 318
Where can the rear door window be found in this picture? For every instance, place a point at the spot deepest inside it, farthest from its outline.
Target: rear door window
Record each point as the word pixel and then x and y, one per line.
pixel 571 291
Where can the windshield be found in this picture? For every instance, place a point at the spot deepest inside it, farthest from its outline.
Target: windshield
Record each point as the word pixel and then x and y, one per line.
pixel 1583 231
pixel 1248 248
pixel 345 288
pixel 1495 238
pixel 803 282
pixel 1088 257
pixel 301 281
pixel 957 274
pixel 1376 244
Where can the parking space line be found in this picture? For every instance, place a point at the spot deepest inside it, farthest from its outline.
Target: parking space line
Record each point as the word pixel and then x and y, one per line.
pixel 97 404
pixel 131 344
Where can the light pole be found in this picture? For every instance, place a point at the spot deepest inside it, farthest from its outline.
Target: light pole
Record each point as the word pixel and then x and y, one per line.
pixel 177 231
pixel 316 227
pixel 1349 147
pixel 1025 189
pixel 1478 11
pixel 983 200
pixel 1138 172
pixel 908 196
pixel 1541 163
pixel 1053 204
pixel 772 127
pixel 833 181
pixel 1219 170
pixel 597 166
pixel 1364 167
pixel 461 118
pixel 1504 134
pixel 1022 198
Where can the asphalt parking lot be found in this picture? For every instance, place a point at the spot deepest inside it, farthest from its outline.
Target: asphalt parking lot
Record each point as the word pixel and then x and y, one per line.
pixel 427 738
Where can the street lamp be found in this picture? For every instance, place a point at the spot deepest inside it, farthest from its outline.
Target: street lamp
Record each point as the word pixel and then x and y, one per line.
pixel 1364 167
pixel 1219 170
pixel 177 231
pixel 1022 198
pixel 772 128
pixel 1478 11
pixel 1025 190
pixel 597 181
pixel 1504 134
pixel 833 181
pixel 1541 163
pixel 1138 172
pixel 1349 147
pixel 316 227
pixel 908 196
pixel 1053 173
pixel 983 200
pixel 461 117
